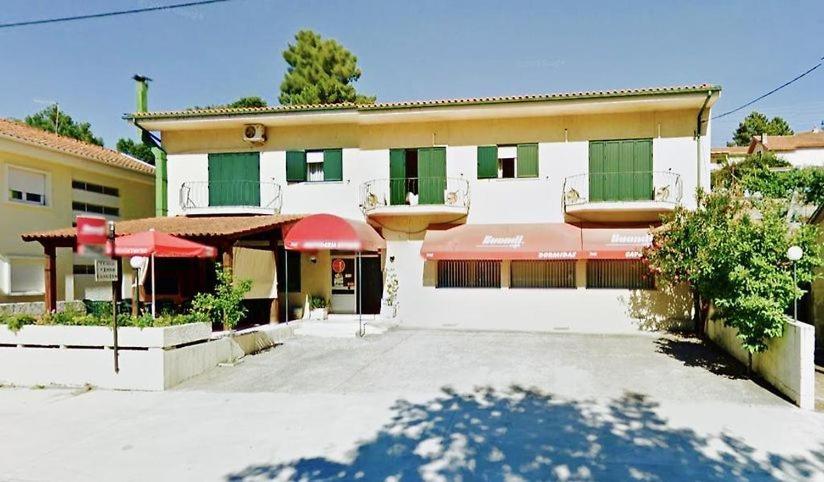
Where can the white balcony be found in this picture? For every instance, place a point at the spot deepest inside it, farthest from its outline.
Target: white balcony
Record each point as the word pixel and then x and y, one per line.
pixel 229 197
pixel 621 196
pixel 437 196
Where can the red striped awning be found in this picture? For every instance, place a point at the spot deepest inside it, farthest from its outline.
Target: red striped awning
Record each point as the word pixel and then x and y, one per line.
pixel 326 231
pixel 504 241
pixel 614 243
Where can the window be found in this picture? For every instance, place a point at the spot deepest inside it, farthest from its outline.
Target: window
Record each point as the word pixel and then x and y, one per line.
pixel 22 275
pixel 542 274
pixel 83 269
pixel 293 259
pixel 26 186
pixel 95 208
pixel 96 188
pixel 623 274
pixel 314 166
pixel 469 274
pixel 507 162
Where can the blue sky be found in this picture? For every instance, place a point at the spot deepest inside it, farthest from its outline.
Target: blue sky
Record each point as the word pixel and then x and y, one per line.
pixel 412 50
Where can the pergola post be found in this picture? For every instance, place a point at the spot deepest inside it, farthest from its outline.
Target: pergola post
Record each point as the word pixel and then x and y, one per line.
pixel 273 307
pixel 50 296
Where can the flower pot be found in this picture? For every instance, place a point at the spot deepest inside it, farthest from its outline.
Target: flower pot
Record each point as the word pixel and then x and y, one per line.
pixel 318 313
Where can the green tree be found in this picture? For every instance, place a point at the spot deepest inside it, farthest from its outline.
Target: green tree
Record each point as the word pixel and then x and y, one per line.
pixel 251 101
pixel 226 303
pixel 731 251
pixel 767 175
pixel 52 119
pixel 756 124
pixel 321 71
pixel 139 150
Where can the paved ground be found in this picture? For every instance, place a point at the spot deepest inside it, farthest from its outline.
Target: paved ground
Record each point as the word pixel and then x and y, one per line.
pixel 414 405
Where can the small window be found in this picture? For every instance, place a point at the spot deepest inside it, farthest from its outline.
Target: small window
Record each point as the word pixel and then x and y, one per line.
pixel 22 275
pixel 95 209
pixel 95 188
pixel 314 166
pixel 83 269
pixel 620 274
pixel 27 187
pixel 542 274
pixel 507 156
pixel 508 161
pixel 469 274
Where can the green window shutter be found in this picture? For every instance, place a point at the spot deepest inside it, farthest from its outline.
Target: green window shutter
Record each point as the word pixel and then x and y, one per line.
pixel 527 160
pixel 620 170
pixel 397 176
pixel 487 162
pixel 333 165
pixel 431 175
pixel 295 166
pixel 596 170
pixel 234 179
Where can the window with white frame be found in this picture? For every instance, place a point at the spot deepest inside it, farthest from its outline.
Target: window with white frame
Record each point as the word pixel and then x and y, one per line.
pixel 22 275
pixel 507 157
pixel 26 186
pixel 314 166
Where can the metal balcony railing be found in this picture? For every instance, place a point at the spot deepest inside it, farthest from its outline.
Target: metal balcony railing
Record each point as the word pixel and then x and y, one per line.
pixel 265 196
pixel 439 191
pixel 659 186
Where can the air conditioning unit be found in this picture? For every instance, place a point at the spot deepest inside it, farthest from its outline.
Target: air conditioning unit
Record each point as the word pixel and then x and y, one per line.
pixel 254 133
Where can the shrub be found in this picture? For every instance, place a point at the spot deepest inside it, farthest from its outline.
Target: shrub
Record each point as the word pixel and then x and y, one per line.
pixel 16 322
pixel 225 304
pixel 317 302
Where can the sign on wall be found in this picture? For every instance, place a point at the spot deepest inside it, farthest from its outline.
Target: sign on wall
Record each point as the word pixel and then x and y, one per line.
pixel 105 270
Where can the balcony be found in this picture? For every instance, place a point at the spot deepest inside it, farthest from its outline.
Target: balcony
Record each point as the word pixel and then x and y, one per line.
pixel 438 197
pixel 229 197
pixel 621 196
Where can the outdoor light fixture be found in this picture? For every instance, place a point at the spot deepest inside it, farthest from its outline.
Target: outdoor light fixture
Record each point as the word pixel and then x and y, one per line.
pixel 313 259
pixel 391 259
pixel 137 262
pixel 794 253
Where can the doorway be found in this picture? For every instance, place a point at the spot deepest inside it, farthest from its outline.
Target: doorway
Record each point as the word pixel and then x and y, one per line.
pixel 346 284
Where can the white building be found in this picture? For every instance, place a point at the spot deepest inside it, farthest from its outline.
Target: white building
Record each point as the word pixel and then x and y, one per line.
pixel 525 212
pixel 801 150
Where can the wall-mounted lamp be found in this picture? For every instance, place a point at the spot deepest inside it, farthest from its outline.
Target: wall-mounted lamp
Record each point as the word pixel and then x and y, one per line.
pixel 313 259
pixel 391 259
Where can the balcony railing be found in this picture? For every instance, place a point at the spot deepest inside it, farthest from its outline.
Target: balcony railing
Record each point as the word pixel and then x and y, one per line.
pixel 255 196
pixel 432 191
pixel 616 187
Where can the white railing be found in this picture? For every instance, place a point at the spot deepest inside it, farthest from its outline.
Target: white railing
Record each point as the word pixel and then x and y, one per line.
pixel 658 186
pixel 437 191
pixel 265 196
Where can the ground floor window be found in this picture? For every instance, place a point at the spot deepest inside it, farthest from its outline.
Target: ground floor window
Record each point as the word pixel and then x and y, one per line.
pixel 542 274
pixel 293 259
pixel 469 274
pixel 22 275
pixel 625 274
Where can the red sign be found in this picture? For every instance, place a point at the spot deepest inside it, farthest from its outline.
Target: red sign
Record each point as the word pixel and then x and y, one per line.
pixel 91 231
pixel 338 265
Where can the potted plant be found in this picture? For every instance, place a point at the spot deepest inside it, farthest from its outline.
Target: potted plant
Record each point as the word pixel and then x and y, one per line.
pixel 389 302
pixel 318 308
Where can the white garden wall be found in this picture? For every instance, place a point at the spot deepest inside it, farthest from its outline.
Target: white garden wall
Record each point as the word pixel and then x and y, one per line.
pixel 788 363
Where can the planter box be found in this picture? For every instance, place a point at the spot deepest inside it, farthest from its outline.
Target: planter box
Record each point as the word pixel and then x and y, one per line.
pixel 150 358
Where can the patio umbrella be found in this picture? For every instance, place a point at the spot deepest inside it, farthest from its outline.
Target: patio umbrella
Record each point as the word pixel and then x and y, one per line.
pixel 154 244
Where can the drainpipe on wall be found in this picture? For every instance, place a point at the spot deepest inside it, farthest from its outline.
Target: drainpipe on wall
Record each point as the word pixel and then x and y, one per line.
pixel 161 179
pixel 698 125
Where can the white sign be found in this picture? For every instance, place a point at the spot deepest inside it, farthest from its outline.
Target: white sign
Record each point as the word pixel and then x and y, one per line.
pixel 105 270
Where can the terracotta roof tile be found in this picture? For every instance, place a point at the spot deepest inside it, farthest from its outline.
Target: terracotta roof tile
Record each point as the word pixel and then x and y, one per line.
pixel 194 227
pixel 801 140
pixel 225 111
pixel 26 134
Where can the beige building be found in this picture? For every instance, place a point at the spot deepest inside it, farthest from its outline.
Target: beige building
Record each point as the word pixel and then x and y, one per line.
pixel 47 181
pixel 800 150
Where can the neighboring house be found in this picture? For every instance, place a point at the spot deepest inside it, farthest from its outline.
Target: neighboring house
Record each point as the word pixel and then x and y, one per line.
pixel 800 150
pixel 816 303
pixel 722 156
pixel 47 181
pixel 523 212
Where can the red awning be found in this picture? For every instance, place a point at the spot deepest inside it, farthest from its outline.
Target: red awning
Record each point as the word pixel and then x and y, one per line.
pixel 504 241
pixel 615 243
pixel 161 245
pixel 326 231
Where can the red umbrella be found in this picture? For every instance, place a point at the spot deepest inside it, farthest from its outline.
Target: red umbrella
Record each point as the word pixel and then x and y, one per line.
pixel 161 245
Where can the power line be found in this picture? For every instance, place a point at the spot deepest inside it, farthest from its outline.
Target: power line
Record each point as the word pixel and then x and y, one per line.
pixel 770 92
pixel 109 14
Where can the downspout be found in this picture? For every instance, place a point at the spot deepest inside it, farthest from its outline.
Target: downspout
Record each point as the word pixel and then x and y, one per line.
pixel 155 144
pixel 698 127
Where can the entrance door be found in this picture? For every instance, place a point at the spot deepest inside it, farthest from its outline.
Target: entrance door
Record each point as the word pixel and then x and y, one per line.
pixel 431 174
pixel 346 284
pixel 371 284
pixel 620 170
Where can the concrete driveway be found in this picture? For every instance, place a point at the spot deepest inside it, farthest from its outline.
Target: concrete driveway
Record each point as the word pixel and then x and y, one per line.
pixel 432 405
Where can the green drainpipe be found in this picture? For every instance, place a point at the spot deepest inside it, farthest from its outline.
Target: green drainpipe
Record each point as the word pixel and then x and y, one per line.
pixel 161 178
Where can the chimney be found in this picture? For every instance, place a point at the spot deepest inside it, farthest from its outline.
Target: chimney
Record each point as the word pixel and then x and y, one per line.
pixel 142 91
pixel 764 139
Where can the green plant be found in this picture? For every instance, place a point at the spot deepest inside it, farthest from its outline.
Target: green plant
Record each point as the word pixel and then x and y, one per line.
pixel 225 304
pixel 391 286
pixel 18 321
pixel 317 302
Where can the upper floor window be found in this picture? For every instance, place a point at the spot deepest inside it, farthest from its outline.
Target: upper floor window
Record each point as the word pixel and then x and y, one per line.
pixel 314 166
pixel 27 186
pixel 508 162
pixel 95 208
pixel 96 188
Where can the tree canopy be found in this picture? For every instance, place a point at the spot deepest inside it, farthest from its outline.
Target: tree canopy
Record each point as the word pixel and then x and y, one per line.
pixel 251 101
pixel 756 124
pixel 139 150
pixel 321 71
pixel 767 175
pixel 52 119
pixel 731 251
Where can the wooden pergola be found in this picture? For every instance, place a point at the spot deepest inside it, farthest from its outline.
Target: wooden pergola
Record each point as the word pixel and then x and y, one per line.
pixel 221 232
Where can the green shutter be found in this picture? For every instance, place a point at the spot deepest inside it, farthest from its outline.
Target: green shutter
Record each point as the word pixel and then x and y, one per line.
pixel 234 179
pixel 642 164
pixel 397 176
pixel 596 171
pixel 620 170
pixel 295 166
pixel 527 160
pixel 333 165
pixel 431 175
pixel 487 162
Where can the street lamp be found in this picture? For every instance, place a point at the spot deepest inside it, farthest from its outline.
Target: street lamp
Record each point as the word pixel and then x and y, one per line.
pixel 794 253
pixel 137 263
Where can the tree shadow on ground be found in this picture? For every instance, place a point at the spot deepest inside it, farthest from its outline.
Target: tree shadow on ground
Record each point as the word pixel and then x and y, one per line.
pixel 693 352
pixel 522 434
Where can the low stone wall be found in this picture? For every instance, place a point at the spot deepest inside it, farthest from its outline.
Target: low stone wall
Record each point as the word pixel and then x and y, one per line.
pixel 787 364
pixel 36 308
